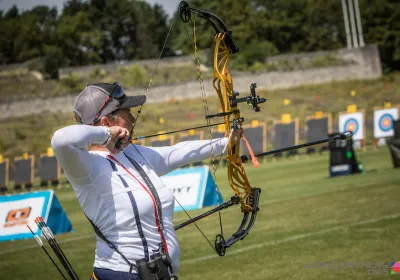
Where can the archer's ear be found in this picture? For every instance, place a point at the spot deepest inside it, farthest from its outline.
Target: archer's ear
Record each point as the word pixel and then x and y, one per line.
pixel 105 121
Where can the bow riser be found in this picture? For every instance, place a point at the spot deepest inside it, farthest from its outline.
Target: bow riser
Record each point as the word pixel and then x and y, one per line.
pixel 224 87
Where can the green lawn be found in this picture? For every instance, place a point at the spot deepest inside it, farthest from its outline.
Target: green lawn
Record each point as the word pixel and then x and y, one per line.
pixel 305 218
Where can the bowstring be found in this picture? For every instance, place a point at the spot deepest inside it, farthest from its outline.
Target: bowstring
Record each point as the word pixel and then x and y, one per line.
pixel 155 68
pixel 150 166
pixel 208 122
pixel 206 112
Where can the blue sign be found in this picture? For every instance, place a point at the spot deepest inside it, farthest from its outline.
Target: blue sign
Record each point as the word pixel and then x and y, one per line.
pixel 193 187
pixel 19 210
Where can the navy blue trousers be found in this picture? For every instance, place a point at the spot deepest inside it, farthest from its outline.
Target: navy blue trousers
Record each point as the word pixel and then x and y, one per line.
pixel 107 274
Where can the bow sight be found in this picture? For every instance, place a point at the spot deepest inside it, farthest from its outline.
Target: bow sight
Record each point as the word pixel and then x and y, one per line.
pixel 252 99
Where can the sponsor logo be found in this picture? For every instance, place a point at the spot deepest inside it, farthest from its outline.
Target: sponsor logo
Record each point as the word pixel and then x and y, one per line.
pixel 395 269
pixel 17 217
pixel 340 168
pixel 179 190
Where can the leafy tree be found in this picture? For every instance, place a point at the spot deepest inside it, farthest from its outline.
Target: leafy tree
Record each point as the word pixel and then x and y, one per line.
pixel 102 31
pixel 12 13
pixel 381 25
pixel 78 39
pixel 36 29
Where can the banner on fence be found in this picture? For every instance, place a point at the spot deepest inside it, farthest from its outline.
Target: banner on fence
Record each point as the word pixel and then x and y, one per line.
pixel 49 170
pixel 19 210
pixel 23 170
pixel 286 133
pixel 193 187
pixel 4 171
pixel 163 140
pixel 318 127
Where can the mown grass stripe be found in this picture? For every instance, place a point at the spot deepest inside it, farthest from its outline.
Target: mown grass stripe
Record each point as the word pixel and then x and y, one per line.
pixel 293 238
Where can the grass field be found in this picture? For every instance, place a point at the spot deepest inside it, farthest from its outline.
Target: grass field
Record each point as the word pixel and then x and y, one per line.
pixel 305 218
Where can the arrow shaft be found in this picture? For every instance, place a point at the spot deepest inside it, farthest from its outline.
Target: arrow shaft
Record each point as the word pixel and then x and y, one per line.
pixel 176 131
pixel 342 136
pixel 39 241
pixel 58 248
pixel 48 234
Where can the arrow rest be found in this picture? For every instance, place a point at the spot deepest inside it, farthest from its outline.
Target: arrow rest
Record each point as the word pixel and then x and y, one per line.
pixel 236 123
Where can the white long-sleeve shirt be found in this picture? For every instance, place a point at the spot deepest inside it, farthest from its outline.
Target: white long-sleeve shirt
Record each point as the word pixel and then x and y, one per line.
pixel 113 196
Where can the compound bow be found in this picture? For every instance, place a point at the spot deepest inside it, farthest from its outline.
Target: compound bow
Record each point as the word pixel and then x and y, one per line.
pixel 245 194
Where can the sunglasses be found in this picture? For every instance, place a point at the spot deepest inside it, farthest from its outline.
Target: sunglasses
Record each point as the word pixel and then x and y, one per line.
pixel 117 93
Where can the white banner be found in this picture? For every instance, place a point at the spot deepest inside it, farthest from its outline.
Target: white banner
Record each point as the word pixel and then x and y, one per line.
pixel 193 187
pixel 383 121
pixel 353 122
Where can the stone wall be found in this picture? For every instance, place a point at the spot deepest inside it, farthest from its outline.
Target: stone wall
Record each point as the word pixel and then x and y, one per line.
pixel 85 71
pixel 366 65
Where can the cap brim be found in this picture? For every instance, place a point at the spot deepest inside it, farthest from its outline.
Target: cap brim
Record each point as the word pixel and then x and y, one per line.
pixel 133 101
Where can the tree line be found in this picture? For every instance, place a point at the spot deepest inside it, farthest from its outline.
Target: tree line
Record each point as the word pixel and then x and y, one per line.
pixel 101 31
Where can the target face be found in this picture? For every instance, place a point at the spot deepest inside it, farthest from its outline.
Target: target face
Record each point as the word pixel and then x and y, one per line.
pixel 386 122
pixel 353 122
pixel 351 125
pixel 383 122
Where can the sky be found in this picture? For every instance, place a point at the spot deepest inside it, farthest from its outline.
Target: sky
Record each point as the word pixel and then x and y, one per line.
pixel 168 5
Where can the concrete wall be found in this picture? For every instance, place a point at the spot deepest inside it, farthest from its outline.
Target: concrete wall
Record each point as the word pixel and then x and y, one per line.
pixel 366 65
pixel 85 71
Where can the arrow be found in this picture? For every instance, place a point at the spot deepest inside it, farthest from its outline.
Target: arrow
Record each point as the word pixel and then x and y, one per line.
pixel 341 136
pixel 176 131
pixel 39 241
pixel 49 236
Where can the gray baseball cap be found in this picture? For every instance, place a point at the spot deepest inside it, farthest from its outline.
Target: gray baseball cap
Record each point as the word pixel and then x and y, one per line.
pixel 100 99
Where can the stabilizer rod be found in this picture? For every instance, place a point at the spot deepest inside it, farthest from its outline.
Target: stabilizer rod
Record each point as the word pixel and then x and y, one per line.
pixel 341 136
pixel 234 200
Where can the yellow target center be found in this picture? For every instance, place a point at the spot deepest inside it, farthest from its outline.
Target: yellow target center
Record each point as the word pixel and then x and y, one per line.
pixel 386 122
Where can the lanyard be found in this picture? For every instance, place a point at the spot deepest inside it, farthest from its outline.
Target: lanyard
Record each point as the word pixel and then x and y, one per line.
pixel 152 192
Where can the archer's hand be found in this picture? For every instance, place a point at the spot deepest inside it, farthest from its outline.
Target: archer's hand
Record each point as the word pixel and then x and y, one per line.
pixel 117 133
